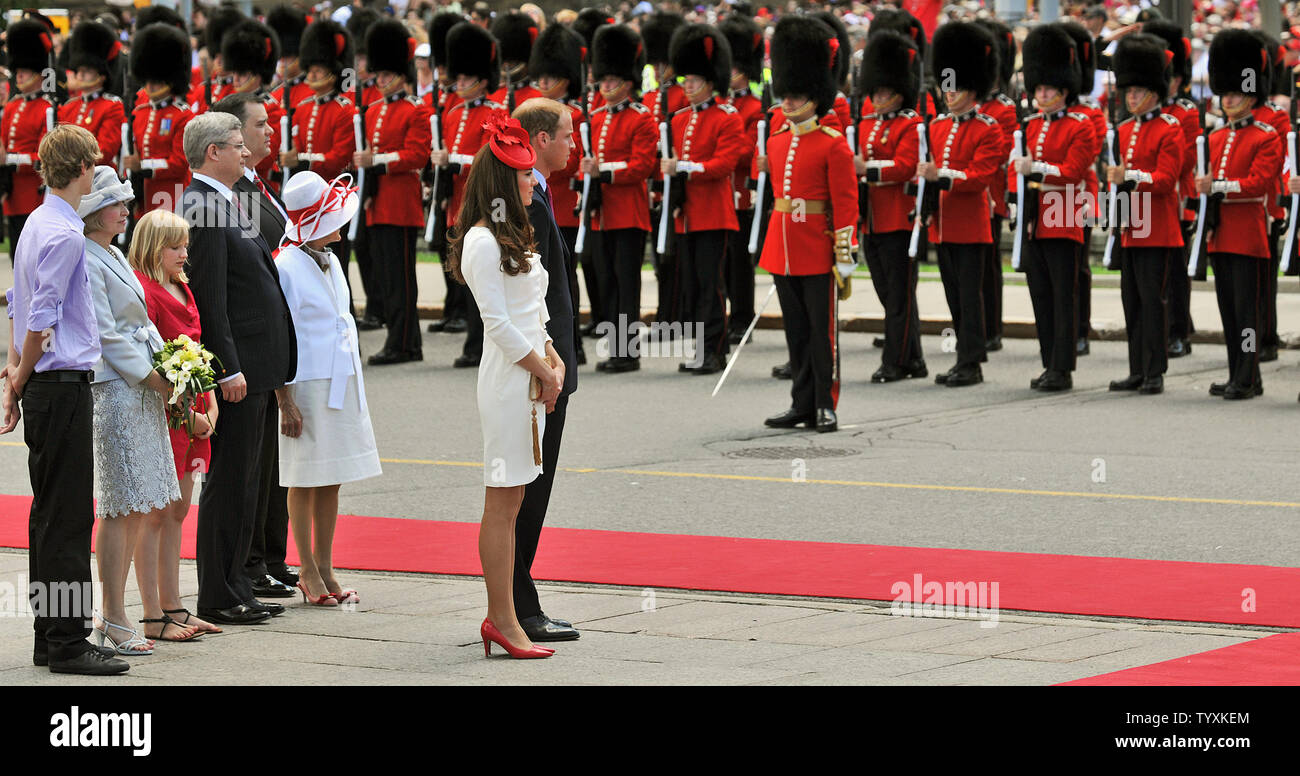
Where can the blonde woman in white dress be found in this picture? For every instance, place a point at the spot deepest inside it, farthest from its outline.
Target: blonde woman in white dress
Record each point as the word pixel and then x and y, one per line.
pixel 491 252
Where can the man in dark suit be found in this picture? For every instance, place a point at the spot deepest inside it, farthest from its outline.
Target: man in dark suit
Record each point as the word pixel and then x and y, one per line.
pixel 246 324
pixel 265 566
pixel 550 130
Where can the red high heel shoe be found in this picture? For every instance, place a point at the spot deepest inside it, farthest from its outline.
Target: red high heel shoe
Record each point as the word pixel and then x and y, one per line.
pixel 490 634
pixel 324 599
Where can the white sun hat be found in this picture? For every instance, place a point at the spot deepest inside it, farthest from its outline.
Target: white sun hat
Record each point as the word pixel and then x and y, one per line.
pixel 105 189
pixel 317 208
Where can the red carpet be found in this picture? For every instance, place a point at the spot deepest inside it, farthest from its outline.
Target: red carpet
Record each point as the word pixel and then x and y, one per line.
pixel 1149 589
pixel 1274 660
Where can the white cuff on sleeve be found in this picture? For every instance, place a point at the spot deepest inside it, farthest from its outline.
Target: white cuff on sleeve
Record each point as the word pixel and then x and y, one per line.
pixel 879 164
pixel 1225 187
pixel 945 172
pixel 388 158
pixel 312 157
pixel 464 160
pixel 19 158
pixel 153 164
pixel 1044 168
pixel 1137 175
pixel 612 166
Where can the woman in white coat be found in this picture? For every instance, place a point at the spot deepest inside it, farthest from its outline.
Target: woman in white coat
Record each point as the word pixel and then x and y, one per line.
pixel 326 437
pixel 520 372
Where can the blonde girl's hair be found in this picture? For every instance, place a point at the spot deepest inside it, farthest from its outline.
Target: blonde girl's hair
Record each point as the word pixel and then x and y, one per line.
pixel 158 229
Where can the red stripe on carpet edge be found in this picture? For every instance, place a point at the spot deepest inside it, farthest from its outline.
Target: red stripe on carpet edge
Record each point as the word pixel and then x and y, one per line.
pixel 1069 584
pixel 1268 661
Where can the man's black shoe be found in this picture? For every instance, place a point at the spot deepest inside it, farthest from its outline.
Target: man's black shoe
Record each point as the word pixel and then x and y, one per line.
pixel 826 421
pixel 455 326
pixel 1152 385
pixel 790 418
pixel 888 374
pixel 877 342
pixel 994 344
pixel 1081 347
pixel 41 657
pixel 942 378
pixel 285 576
pixel 783 372
pixel 617 365
pixel 92 662
pixel 964 375
pixel 735 337
pixel 369 324
pixel 1268 353
pixel 385 357
pixel 711 365
pixel 589 329
pixel 1235 392
pixel 270 587
pixel 1179 348
pixel 437 326
pixel 462 362
pixel 582 357
pixel 1056 381
pixel 916 368
pixel 1130 383
pixel 235 615
pixel 1037 381
pixel 1217 389
pixel 542 628
pixel 275 610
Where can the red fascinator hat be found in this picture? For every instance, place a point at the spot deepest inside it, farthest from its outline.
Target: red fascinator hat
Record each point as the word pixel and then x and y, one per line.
pixel 509 142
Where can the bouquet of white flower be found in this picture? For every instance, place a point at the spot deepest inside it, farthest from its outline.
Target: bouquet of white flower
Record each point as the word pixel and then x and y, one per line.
pixel 187 367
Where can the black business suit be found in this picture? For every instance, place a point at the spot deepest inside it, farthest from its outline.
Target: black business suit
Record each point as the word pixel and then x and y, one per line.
pixel 537 494
pixel 246 324
pixel 271 533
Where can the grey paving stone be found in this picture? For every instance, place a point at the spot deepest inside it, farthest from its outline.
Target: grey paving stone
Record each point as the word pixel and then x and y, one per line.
pixel 836 629
pixel 932 639
pixel 697 619
pixel 1016 638
pixel 997 671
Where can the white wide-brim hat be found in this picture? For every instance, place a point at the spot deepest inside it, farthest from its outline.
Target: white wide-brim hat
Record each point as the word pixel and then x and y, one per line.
pixel 105 189
pixel 317 208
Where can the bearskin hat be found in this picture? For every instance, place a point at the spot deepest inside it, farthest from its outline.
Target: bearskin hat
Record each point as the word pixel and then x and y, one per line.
pixel 657 32
pixel 93 45
pixel 558 53
pixel 328 44
pixel 890 62
pixel 802 61
pixel 1050 58
pixel 516 32
pixel 220 22
pixel 29 44
pixel 161 53
pixel 746 40
pixel 844 53
pixel 289 23
pixel 1277 63
pixel 699 49
pixel 392 48
pixel 251 47
pixel 471 50
pixel 151 14
pixel 1087 48
pixel 902 22
pixel 589 20
pixel 1006 41
pixel 1232 52
pixel 1143 60
pixel 439 26
pixel 1172 34
pixel 970 52
pixel 358 25
pixel 617 51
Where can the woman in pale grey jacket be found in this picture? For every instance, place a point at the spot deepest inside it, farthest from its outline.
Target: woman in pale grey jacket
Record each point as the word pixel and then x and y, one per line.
pixel 135 476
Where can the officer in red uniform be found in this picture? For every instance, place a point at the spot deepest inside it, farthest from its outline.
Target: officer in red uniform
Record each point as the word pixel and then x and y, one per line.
pixel 841 112
pixel 160 59
pixel 516 33
pixel 708 140
pixel 1178 105
pixel 473 59
pixel 747 50
pixel 205 93
pixel 1082 103
pixel 441 99
pixel 358 24
pixel 886 157
pixel 289 24
pixel 1003 109
pixel 1276 117
pixel 664 101
pixel 1149 151
pixel 1245 161
pixel 397 148
pixel 250 53
pixel 28 115
pixel 94 53
pixel 965 156
pixel 623 138
pixel 810 247
pixel 1060 143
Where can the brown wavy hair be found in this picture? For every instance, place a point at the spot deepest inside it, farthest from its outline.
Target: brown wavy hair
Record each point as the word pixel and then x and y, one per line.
pixel 492 185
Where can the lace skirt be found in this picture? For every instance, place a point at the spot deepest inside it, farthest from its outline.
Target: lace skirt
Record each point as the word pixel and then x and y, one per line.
pixel 134 470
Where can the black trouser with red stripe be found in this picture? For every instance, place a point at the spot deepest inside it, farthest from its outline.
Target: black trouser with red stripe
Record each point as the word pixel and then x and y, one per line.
pixel 702 255
pixel 740 274
pixel 392 251
pixel 623 250
pixel 1239 284
pixel 1085 284
pixel 1268 334
pixel 961 268
pixel 894 275
pixel 593 273
pixel 1144 283
pixel 809 305
pixel 667 273
pixel 1052 272
pixel 1180 289
pixel 993 282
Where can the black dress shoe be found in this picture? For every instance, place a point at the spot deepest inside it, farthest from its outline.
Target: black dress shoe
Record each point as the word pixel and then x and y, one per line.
pixel 1235 392
pixel 993 345
pixel 437 326
pixel 1081 347
pixel 888 374
pixel 1179 348
pixel 1217 389
pixel 735 337
pixel 285 576
pixel 455 326
pixel 462 362
pixel 92 662
pixel 542 628
pixel 942 378
pixel 1056 381
pixel 582 357
pixel 877 342
pixel 916 368
pixel 826 421
pixel 270 587
pixel 369 324
pixel 235 615
pixel 275 610
pixel 711 365
pixel 1268 353
pixel 589 329
pixel 41 657
pixel 790 418
pixel 385 357
pixel 1037 381
pixel 1130 383
pixel 561 623
pixel 1152 385
pixel 965 375
pixel 783 372
pixel 617 365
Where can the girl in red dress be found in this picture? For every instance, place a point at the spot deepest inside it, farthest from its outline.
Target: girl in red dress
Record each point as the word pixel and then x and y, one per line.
pixel 158 253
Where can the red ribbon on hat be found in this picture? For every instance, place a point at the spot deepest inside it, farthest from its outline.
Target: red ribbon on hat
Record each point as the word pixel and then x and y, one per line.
pixel 509 141
pixel 834 45
pixel 333 199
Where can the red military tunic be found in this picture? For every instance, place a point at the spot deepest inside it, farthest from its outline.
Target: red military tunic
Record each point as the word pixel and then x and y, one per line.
pixel 816 209
pixel 708 139
pixel 448 99
pixel 1245 162
pixel 159 128
pixel 322 134
pixel 462 136
pixel 1275 117
pixel 397 131
pixel 1150 147
pixel 889 144
pixel 1097 119
pixel 677 100
pixel 298 91
pixel 1189 119
pixel 525 92
pixel 24 123
pixel 967 149
pixel 103 115
pixel 566 185
pixel 268 167
pixel 624 144
pixel 1003 109
pixel 1061 146
pixel 222 85
pixel 750 109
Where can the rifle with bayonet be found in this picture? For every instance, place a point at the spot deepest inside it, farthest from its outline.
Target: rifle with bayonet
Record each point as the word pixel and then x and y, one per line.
pixel 1112 190
pixel 1207 211
pixel 1289 265
pixel 435 133
pixel 1026 203
pixel 923 199
pixel 673 196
